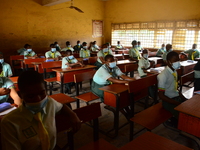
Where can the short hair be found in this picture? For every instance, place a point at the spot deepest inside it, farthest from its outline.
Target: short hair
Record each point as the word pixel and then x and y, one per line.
pixel 51 45
pixel 168 45
pixel 68 51
pixel 68 42
pixel 26 45
pixel 172 54
pixel 145 50
pixel 55 42
pixel 78 41
pixel 29 78
pixel 108 57
pixel 134 42
pixel 84 43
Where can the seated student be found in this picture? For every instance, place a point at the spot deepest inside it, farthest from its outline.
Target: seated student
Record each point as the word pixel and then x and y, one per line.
pixel 119 46
pixel 94 47
pixel 29 53
pixel 134 53
pixel 21 51
pixel 161 51
pixel 168 84
pixel 197 76
pixel 32 125
pixel 101 55
pixel 6 71
pixel 192 53
pixel 78 47
pixel 7 89
pixel 57 46
pixel 53 54
pixel 139 47
pixel 68 47
pixel 84 52
pixel 168 49
pixel 106 75
pixel 69 61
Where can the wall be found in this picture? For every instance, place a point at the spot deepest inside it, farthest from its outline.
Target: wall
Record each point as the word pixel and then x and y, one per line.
pixel 27 21
pixel 119 11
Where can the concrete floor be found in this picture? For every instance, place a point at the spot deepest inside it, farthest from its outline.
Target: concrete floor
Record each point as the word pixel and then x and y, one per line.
pixel 85 135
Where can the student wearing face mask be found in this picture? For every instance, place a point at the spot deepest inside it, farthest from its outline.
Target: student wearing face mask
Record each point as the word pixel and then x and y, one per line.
pixel 32 125
pixel 168 84
pixel 29 53
pixel 119 46
pixel 57 46
pixel 69 61
pixel 84 52
pixel 139 47
pixel 107 74
pixel 53 54
pixel 161 51
pixel 78 47
pixel 68 47
pixel 6 70
pixel 22 50
pixel 192 53
pixel 168 49
pixel 134 53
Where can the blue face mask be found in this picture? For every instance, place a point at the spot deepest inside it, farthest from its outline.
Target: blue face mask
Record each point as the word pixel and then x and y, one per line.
pixel 78 44
pixel 112 64
pixel 29 50
pixel 135 46
pixel 145 55
pixel 2 61
pixel 71 57
pixel 85 47
pixel 53 49
pixel 105 50
pixel 176 65
pixel 37 107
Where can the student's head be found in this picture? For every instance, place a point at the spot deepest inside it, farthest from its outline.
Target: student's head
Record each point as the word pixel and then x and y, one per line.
pixel 84 45
pixel 68 53
pixel 32 89
pixel 118 42
pixel 163 45
pixel 145 53
pixel 173 60
pixel 78 42
pixel 139 43
pixel 110 61
pixel 27 46
pixel 194 46
pixel 55 43
pixel 95 42
pixel 108 45
pixel 53 47
pixel 134 43
pixel 168 47
pixel 68 44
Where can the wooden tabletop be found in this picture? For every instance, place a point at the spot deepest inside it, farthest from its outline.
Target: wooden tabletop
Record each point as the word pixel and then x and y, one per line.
pixel 74 69
pixel 115 88
pixel 187 63
pixel 191 106
pixel 62 98
pixel 14 79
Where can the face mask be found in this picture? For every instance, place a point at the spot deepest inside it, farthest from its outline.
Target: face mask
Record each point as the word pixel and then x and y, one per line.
pixel 78 44
pixel 29 50
pixel 170 50
pixel 57 45
pixel 105 50
pixel 37 107
pixel 135 46
pixel 69 46
pixel 145 55
pixel 176 65
pixel 109 46
pixel 112 64
pixel 71 57
pixel 53 49
pixel 85 47
pixel 2 61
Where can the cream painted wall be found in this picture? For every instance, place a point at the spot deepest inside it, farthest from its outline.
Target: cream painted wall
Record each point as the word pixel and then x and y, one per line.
pixel 119 11
pixel 27 21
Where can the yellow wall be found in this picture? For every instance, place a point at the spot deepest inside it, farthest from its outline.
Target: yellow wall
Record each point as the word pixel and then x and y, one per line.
pixel 27 21
pixel 119 11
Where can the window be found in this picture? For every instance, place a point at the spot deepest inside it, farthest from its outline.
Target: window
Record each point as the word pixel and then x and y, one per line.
pixel 181 34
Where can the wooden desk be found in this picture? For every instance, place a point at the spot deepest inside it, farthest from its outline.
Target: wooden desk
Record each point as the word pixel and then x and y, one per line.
pixel 62 98
pixel 67 75
pixel 187 66
pixel 157 60
pixel 189 116
pixel 14 79
pixel 121 64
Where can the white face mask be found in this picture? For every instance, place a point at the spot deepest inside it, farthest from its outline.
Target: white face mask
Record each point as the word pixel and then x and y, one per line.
pixel 53 49
pixel 105 50
pixel 29 50
pixel 176 65
pixel 112 64
pixel 69 46
pixel 145 55
pixel 85 47
pixel 2 61
pixel 71 57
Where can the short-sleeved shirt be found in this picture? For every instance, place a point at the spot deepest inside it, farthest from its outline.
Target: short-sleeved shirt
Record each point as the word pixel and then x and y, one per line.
pixel 5 83
pixel 67 48
pixel 50 54
pixel 66 60
pixel 31 54
pixel 77 48
pixel 139 48
pixel 192 52
pixel 167 83
pixel 119 47
pixel 22 133
pixel 7 71
pixel 94 49
pixel 160 52
pixel 103 73
pixel 103 54
pixel 84 53
pixel 21 51
pixel 143 63
pixel 134 52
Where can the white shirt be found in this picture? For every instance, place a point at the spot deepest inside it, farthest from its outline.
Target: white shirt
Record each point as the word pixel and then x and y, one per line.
pixel 84 53
pixel 19 129
pixel 143 63
pixel 49 54
pixel 102 54
pixel 67 60
pixel 7 71
pixel 67 48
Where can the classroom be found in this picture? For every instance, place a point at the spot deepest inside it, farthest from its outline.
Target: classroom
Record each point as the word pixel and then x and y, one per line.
pixel 108 58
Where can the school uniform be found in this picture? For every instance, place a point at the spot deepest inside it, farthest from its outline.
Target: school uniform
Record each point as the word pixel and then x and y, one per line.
pixel 197 76
pixel 58 48
pixel 5 83
pixel 67 48
pixel 84 53
pixel 7 71
pixel 95 48
pixel 51 54
pixel 102 54
pixel 134 53
pixel 21 51
pixel 192 54
pixel 119 47
pixel 168 82
pixel 160 52
pixel 100 79
pixel 143 63
pixel 139 48
pixel 77 48
pixel 22 133
pixel 30 54
pixel 164 56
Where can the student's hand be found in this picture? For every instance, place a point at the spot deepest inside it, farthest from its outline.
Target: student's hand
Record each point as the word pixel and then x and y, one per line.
pixel 75 122
pixel 4 91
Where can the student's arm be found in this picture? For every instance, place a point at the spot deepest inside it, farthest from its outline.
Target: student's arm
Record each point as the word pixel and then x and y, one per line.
pixel 4 91
pixel 15 97
pixel 74 120
pixel 167 99
pixel 102 60
pixel 124 77
pixel 113 80
pixel 74 64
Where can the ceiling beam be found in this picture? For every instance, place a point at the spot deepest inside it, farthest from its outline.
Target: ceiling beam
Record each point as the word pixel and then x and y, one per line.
pixel 53 2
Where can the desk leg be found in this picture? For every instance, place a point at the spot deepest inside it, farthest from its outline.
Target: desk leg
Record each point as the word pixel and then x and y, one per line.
pixel 132 114
pixel 116 118
pixel 77 93
pixel 62 80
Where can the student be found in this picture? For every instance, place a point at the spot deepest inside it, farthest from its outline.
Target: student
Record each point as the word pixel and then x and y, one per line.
pixel 119 46
pixel 69 61
pixel 139 47
pixel 6 71
pixel 7 89
pixel 134 53
pixel 192 53
pixel 32 125
pixel 57 46
pixel 197 76
pixel 53 54
pixel 161 51
pixel 84 52
pixel 168 84
pixel 168 49
pixel 94 47
pixel 78 47
pixel 101 55
pixel 21 51
pixel 29 53
pixel 68 47
pixel 107 75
